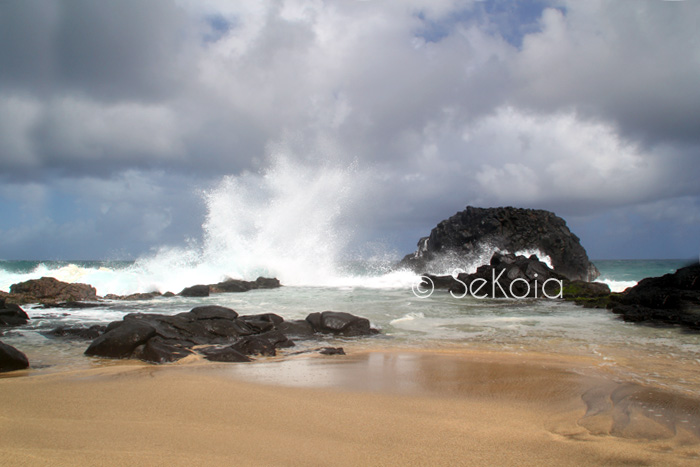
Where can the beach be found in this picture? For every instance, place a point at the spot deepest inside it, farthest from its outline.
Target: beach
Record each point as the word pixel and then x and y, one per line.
pixel 371 408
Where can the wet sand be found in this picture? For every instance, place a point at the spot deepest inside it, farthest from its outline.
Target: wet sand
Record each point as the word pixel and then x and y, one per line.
pixel 374 408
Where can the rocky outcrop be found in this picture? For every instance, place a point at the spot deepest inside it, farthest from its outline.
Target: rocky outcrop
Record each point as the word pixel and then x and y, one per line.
pixel 229 286
pixel 195 291
pixel 218 333
pixel 477 232
pixel 669 299
pixel 12 359
pixel 49 290
pixel 235 285
pixel 11 314
pixel 507 276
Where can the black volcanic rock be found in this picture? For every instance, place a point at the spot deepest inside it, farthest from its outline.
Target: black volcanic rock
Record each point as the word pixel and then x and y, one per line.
pixel 11 314
pixel 158 338
pixel 12 359
pixel 507 276
pixel 195 291
pixel 670 299
pixel 77 332
pixel 476 232
pixel 121 342
pixel 340 323
pixel 236 285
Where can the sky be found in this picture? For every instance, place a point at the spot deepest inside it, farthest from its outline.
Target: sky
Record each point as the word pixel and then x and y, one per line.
pixel 119 120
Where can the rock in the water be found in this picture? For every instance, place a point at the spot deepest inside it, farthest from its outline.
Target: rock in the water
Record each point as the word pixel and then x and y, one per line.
pixel 12 359
pixel 227 354
pixel 93 332
pixel 670 299
pixel 507 276
pixel 332 351
pixel 475 232
pixel 51 290
pixel 195 291
pixel 161 338
pixel 11 314
pixel 121 341
pixel 340 323
pixel 237 285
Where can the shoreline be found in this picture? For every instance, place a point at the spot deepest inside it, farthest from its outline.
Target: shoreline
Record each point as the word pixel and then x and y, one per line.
pixel 375 407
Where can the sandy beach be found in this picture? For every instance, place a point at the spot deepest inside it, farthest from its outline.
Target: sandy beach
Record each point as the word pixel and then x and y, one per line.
pixel 374 408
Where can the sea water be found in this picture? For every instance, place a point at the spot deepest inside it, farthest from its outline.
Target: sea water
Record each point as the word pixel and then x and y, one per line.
pixel 288 223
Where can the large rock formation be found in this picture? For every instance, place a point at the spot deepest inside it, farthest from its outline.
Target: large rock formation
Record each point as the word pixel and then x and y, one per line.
pixel 670 299
pixel 476 233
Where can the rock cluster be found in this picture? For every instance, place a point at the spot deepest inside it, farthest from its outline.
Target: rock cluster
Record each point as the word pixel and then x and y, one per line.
pixel 670 299
pixel 216 332
pixel 477 231
pixel 507 276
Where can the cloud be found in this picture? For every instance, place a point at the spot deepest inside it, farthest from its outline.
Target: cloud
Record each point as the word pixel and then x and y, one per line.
pixel 580 107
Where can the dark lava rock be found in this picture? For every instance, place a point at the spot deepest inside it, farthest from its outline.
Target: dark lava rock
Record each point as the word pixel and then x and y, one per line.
pixel 212 312
pixel 263 322
pixel 195 291
pixel 161 338
pixel 332 351
pixel 158 350
pixel 12 359
pixel 227 354
pixel 298 328
pixel 507 276
pixel 236 285
pixel 471 233
pixel 255 345
pixel 670 299
pixel 79 332
pixel 51 290
pixel 340 323
pixel 11 314
pixel 120 342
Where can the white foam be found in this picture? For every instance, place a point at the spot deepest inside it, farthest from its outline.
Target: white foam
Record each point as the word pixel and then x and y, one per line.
pixel 617 286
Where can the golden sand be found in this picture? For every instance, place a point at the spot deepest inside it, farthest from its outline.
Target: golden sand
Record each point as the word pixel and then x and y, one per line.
pixel 388 408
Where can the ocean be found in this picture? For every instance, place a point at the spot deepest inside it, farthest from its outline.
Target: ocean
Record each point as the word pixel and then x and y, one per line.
pixel 663 356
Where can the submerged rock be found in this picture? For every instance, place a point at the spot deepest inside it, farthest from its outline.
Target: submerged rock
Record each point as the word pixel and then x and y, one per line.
pixel 12 359
pixel 471 233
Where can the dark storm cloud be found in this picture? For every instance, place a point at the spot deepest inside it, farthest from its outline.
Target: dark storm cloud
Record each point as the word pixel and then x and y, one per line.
pixel 107 50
